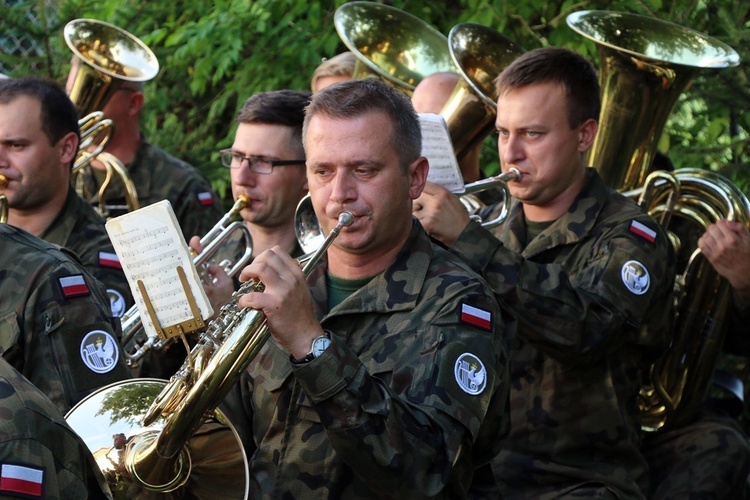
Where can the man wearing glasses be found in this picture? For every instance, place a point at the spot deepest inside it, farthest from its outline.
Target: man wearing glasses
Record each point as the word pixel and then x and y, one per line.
pixel 267 165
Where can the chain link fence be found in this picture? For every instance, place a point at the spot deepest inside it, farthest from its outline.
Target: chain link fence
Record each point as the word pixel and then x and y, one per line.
pixel 24 34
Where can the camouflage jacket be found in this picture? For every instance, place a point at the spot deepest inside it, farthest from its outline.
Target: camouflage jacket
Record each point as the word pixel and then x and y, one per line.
pixel 80 229
pixel 593 297
pixel 406 396
pixel 36 445
pixel 55 322
pixel 159 176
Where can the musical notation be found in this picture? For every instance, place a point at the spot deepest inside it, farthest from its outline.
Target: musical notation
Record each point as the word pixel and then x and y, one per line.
pixel 150 246
pixel 438 149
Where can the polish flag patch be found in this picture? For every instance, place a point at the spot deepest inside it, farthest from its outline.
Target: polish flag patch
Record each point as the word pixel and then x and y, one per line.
pixel 109 259
pixel 23 480
pixel 476 317
pixel 206 198
pixel 74 286
pixel 643 231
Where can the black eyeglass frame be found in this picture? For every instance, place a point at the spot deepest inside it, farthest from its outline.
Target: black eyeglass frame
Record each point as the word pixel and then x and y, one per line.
pixel 253 161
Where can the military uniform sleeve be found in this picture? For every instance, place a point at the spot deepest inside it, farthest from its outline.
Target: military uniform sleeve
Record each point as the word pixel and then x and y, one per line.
pixel 70 341
pixel 408 420
pixel 615 284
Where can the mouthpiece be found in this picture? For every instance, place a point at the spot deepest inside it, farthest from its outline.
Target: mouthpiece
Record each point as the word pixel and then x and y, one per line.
pixel 512 175
pixel 345 218
pixel 4 181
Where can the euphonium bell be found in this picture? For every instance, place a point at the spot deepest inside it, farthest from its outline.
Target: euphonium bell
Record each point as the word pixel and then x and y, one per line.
pixel 644 65
pixel 106 58
pixel 391 44
pixel 480 54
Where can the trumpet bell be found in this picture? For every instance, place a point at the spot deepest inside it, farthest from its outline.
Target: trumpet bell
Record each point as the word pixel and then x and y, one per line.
pixel 645 63
pixel 391 44
pixel 480 54
pixel 108 56
pixel 109 421
pixel 307 227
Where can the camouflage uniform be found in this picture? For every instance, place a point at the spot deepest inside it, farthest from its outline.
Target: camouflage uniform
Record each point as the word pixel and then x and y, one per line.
pixel 55 323
pixel 80 229
pixel 382 413
pixel 708 458
pixel 37 444
pixel 587 330
pixel 159 176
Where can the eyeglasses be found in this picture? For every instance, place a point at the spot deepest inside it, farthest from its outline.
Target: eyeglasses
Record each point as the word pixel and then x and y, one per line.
pixel 257 164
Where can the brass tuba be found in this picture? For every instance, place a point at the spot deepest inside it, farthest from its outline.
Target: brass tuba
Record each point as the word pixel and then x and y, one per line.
pixel 162 427
pixel 645 64
pixel 105 58
pixel 391 44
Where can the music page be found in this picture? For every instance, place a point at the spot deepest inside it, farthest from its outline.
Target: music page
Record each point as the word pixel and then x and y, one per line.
pixel 438 149
pixel 150 246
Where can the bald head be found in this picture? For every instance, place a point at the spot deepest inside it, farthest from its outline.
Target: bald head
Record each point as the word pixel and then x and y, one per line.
pixel 431 94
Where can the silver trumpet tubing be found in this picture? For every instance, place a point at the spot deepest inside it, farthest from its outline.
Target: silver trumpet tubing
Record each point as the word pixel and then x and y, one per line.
pixel 158 448
pixel 472 203
pixel 221 246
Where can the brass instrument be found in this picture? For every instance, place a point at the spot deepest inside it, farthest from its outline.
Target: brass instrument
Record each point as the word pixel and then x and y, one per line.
pixel 680 380
pixel 480 54
pixel 160 438
pixel 391 44
pixel 228 244
pixel 106 57
pixel 645 63
pixel 472 203
pixel 3 201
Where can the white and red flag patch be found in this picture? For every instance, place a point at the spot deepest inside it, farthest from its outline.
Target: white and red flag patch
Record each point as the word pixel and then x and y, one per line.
pixel 109 259
pixel 73 286
pixel 476 317
pixel 206 198
pixel 643 231
pixel 23 480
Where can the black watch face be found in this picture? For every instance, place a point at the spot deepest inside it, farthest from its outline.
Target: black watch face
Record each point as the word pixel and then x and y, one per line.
pixel 320 344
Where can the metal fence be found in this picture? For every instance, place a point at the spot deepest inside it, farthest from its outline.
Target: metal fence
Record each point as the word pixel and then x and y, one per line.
pixel 17 43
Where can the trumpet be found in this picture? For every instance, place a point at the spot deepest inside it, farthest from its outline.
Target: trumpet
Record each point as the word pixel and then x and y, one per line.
pixel 3 201
pixel 219 246
pixel 159 451
pixel 473 204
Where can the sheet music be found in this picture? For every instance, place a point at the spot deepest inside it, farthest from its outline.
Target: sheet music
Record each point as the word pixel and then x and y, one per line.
pixel 150 246
pixel 438 149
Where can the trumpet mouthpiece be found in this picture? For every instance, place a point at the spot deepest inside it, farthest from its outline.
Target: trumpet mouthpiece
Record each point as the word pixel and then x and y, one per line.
pixel 346 218
pixel 3 181
pixel 513 174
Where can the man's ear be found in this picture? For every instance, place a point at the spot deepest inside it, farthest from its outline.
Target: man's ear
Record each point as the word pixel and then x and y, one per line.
pixel 418 176
pixel 68 147
pixel 135 103
pixel 587 134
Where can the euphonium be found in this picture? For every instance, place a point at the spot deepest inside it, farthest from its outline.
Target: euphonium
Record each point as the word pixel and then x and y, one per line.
pixel 158 459
pixel 105 58
pixel 228 244
pixel 686 206
pixel 391 44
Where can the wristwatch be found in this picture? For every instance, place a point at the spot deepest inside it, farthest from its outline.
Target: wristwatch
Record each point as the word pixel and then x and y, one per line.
pixel 319 344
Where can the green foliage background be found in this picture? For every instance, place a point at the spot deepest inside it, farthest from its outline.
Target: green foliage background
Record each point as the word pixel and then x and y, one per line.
pixel 213 55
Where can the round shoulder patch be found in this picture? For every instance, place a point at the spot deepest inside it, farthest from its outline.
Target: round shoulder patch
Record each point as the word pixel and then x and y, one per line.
pixel 116 302
pixel 471 376
pixel 635 277
pixel 99 351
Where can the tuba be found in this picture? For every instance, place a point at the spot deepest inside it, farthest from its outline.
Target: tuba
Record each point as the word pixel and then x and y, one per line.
pixel 645 64
pixel 391 44
pixel 105 58
pixel 163 430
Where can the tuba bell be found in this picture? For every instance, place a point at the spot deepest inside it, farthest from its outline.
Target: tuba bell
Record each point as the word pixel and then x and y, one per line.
pixel 391 44
pixel 645 64
pixel 105 58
